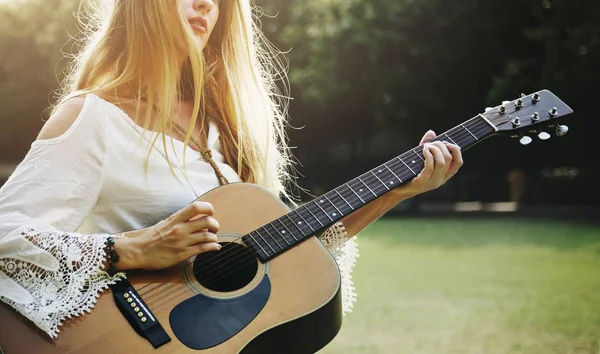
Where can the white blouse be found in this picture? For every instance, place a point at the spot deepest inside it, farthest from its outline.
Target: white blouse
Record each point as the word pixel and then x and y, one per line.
pixel 73 191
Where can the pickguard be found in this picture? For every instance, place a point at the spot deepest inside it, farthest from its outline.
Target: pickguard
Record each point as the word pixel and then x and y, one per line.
pixel 202 322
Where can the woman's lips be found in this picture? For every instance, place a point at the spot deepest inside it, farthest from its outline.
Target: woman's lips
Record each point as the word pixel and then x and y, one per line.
pixel 198 24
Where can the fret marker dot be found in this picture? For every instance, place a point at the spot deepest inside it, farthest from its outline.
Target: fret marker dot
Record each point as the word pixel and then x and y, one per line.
pixel 413 161
pixel 321 201
pixel 379 171
pixel 283 231
pixel 360 190
pixel 299 222
pixel 334 214
pixel 391 182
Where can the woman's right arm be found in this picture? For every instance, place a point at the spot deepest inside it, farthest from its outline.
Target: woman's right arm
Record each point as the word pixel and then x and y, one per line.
pixel 48 271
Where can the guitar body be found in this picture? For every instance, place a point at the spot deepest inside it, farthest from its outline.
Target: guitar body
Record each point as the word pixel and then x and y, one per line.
pixel 290 304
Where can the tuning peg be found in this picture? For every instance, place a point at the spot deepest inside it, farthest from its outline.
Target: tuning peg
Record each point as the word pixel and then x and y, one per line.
pixel 525 140
pixel 561 130
pixel 543 136
pixel 535 117
pixel 519 103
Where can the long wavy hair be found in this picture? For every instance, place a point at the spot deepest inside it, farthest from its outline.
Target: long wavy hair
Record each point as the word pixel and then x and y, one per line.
pixel 138 46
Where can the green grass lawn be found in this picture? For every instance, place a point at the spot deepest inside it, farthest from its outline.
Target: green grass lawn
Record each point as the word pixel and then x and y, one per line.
pixel 475 286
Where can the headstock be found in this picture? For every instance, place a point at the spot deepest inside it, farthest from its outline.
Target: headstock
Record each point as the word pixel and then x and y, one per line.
pixel 529 114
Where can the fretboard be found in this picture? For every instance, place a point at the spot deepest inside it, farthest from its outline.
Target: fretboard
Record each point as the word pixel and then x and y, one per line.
pixel 313 217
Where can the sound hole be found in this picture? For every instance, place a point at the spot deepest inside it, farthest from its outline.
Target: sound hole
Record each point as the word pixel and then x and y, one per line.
pixel 231 268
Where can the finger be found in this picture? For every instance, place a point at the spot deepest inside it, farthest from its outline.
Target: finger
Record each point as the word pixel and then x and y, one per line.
pixel 440 167
pixel 190 211
pixel 202 237
pixel 429 163
pixel 430 135
pixel 203 223
pixel 445 152
pixel 203 247
pixel 457 160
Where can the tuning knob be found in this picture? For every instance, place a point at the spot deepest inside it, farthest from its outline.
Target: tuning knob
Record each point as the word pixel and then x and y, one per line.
pixel 561 130
pixel 543 136
pixel 525 140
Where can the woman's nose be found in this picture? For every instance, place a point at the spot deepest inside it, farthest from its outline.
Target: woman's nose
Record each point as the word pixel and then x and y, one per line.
pixel 205 5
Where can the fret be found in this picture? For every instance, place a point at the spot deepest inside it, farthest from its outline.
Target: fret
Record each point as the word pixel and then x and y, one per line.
pixel 304 220
pixel 294 231
pixel 455 135
pixel 333 204
pixel 370 190
pixel 267 243
pixel 418 155
pixel 344 199
pixel 338 202
pixel 360 189
pixel 270 235
pixel 298 225
pixel 449 138
pixel 398 178
pixel 411 170
pixel 350 188
pixel 415 165
pixel 380 181
pixel 468 131
pixel 260 248
pixel 314 216
pixel 283 231
pixel 322 210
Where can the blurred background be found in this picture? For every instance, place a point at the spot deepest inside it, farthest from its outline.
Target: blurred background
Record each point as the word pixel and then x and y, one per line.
pixel 505 257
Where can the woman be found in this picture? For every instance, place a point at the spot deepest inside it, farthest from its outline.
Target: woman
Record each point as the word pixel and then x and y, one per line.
pixel 167 100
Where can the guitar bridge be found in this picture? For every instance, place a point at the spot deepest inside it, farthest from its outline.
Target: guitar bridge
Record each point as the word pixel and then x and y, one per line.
pixel 138 314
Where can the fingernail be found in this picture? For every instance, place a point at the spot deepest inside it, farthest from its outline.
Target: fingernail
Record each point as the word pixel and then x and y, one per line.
pixel 449 143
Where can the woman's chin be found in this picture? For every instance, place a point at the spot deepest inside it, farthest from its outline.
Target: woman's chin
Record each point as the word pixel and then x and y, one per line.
pixel 201 42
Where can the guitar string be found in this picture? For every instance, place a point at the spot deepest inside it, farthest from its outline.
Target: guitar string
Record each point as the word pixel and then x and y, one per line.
pixel 375 179
pixel 276 242
pixel 221 259
pixel 466 133
pixel 176 290
pixel 349 197
pixel 252 258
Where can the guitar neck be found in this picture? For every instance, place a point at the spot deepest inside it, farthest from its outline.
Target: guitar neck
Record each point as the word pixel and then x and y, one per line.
pixel 313 217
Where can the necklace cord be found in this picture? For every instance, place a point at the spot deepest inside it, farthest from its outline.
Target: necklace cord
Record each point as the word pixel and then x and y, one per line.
pixel 206 153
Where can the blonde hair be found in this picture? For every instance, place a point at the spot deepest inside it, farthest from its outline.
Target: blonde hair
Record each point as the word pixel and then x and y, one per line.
pixel 140 45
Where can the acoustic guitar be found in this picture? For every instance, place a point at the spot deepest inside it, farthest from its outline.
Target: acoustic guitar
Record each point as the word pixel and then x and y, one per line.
pixel 273 287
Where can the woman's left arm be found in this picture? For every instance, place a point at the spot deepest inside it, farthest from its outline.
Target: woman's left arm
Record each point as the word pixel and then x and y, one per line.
pixel 442 161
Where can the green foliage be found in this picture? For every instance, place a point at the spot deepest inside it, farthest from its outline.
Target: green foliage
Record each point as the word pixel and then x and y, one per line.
pixel 407 66
pixel 362 69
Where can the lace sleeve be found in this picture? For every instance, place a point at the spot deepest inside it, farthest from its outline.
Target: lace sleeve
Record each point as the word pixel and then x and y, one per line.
pixel 345 252
pixel 49 275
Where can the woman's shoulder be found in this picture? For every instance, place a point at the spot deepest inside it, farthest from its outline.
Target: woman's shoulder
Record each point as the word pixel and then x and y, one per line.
pixel 70 114
pixel 64 116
